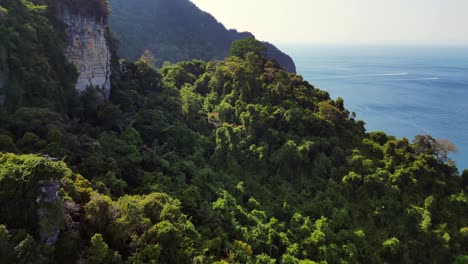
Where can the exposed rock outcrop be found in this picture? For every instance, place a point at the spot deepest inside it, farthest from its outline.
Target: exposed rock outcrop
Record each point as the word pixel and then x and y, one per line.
pixel 88 49
pixel 50 211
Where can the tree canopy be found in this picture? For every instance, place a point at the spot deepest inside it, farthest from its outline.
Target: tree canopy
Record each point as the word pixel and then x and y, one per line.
pixel 232 161
pixel 242 47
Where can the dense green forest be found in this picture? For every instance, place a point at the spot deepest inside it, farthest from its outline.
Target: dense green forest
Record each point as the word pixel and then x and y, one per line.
pixel 234 161
pixel 174 31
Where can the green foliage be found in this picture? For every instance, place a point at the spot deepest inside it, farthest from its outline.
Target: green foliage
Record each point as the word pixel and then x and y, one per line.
pixel 464 179
pixel 32 7
pixel 99 251
pixel 3 11
pixel 7 144
pixel 392 244
pixel 97 8
pixel 242 47
pixel 6 248
pixel 461 260
pixel 32 58
pixel 30 251
pixel 235 161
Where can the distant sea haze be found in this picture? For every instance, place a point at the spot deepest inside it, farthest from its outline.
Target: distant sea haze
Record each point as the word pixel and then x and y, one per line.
pixel 404 91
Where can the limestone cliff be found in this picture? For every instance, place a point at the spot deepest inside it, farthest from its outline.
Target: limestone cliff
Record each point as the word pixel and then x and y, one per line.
pixel 88 48
pixel 50 211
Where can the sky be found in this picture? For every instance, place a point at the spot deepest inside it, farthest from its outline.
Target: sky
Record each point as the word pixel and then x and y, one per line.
pixel 346 21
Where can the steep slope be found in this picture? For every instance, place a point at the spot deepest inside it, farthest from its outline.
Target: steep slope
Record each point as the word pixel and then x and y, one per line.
pixel 49 52
pixel 32 57
pixel 175 30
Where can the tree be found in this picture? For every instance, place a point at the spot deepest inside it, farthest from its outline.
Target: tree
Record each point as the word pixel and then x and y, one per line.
pixel 99 250
pixel 192 102
pixel 439 148
pixel 464 178
pixel 7 144
pixel 30 251
pixel 241 47
pixel 461 260
pixel 98 213
pixel 6 249
pixel 148 58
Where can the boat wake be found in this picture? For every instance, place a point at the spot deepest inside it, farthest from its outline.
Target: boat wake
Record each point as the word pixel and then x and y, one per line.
pixel 367 75
pixel 416 79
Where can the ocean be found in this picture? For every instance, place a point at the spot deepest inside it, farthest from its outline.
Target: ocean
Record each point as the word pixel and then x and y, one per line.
pixel 404 91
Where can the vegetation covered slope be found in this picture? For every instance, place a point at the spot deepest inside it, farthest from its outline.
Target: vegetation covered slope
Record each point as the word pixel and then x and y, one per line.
pixel 175 30
pixel 236 161
pixel 31 57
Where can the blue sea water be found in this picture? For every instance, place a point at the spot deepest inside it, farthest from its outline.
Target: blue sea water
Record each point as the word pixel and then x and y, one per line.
pixel 404 91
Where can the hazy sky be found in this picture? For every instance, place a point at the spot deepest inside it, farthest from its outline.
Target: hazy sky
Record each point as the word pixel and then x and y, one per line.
pixel 346 21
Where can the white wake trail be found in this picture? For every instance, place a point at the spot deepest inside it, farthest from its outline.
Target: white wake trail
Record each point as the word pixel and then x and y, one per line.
pixel 417 79
pixel 367 75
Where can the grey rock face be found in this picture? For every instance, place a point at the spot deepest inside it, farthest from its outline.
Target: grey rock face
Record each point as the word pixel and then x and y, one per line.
pixel 50 211
pixel 88 49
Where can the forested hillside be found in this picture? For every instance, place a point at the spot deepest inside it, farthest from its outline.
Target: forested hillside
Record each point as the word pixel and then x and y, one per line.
pixel 175 30
pixel 35 72
pixel 234 161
